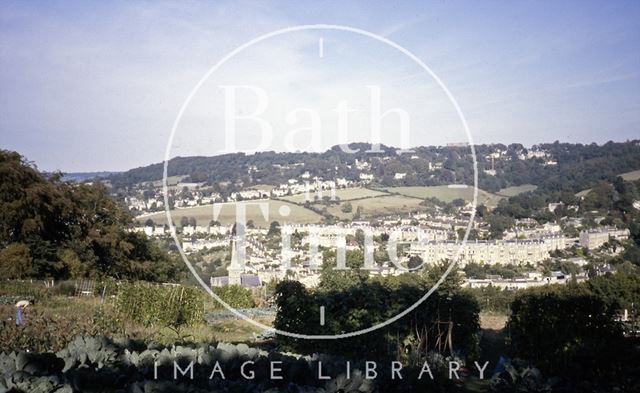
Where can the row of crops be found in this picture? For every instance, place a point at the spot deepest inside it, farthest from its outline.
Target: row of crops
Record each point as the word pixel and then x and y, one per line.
pixel 97 364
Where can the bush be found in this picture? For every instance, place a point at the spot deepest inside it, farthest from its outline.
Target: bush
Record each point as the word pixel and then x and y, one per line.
pixel 372 302
pixel 235 296
pixel 493 299
pixel 569 331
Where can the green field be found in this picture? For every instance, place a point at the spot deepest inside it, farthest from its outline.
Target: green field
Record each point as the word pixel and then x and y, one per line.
pixel 345 194
pixel 447 194
pixel 171 181
pixel 204 214
pixel 631 176
pixel 371 203
pixel 391 204
pixel 515 190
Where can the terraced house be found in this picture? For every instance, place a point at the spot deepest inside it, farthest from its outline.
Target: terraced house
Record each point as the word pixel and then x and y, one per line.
pixel 490 251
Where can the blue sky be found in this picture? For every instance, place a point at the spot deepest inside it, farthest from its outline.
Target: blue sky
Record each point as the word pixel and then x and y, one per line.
pixel 97 86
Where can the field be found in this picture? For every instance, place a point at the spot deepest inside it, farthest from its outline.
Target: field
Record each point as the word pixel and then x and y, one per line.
pixel 171 181
pixel 447 194
pixel 631 176
pixel 345 194
pixel 515 190
pixel 227 216
pixel 583 193
pixel 391 204
pixel 392 200
pixel 57 318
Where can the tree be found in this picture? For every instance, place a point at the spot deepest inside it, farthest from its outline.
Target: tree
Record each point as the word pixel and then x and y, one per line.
pixel 184 221
pixel 567 329
pixel 414 262
pixel 458 202
pixel 274 229
pixel 358 214
pixel 498 224
pixel 346 207
pixel 62 229
pixel 15 261
pixel 149 223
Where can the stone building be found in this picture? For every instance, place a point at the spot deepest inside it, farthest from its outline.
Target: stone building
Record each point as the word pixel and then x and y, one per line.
pixel 594 238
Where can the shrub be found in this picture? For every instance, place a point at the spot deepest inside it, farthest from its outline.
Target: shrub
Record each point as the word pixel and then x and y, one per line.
pixel 235 296
pixel 569 331
pixel 493 299
pixel 444 316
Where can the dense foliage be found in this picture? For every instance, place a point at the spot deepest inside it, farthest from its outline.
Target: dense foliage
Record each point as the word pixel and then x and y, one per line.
pixel 57 229
pixel 493 299
pixel 159 305
pixel 235 296
pixel 579 166
pixel 567 330
pixel 447 322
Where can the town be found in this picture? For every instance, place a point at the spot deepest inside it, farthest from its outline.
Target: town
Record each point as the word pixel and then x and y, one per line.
pixel 290 228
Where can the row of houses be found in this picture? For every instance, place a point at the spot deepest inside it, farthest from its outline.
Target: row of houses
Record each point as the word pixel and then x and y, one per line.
pixel 533 280
pixel 490 251
pixel 595 238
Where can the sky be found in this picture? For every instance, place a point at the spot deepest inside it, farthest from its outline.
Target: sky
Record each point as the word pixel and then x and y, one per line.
pixel 93 86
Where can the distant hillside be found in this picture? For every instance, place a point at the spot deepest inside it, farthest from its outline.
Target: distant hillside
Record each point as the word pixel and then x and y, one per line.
pixel 547 167
pixel 84 176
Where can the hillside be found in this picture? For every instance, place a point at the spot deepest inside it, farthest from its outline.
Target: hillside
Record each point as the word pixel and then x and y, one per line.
pixel 548 167
pixel 366 203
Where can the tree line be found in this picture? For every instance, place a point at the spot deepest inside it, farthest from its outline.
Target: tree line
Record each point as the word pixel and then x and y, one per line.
pixel 60 229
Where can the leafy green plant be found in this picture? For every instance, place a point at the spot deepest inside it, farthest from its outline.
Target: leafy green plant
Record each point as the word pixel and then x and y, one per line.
pixel 521 378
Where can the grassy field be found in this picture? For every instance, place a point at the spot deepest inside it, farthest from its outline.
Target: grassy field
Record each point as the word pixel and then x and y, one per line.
pixel 583 193
pixel 204 214
pixel 345 194
pixel 372 203
pixel 631 176
pixel 391 204
pixel 447 194
pixel 515 190
pixel 171 181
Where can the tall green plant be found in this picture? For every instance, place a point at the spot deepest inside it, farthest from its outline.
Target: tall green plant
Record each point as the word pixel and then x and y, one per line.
pixel 159 305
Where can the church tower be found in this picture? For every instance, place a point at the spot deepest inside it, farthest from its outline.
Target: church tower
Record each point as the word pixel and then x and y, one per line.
pixel 235 267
